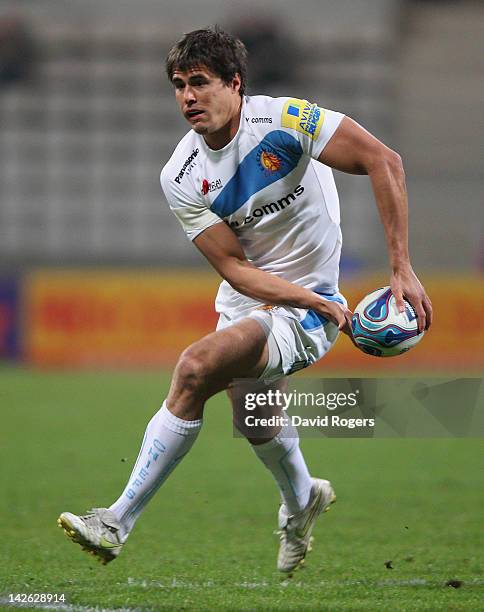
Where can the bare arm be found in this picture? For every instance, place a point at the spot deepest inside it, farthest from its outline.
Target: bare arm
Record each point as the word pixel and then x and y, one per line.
pixel 222 248
pixel 354 150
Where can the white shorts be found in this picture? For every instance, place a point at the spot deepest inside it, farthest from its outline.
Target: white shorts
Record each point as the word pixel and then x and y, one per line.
pixel 293 343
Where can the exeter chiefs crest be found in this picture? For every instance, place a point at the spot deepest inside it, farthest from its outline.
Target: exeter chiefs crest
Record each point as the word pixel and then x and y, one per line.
pixel 269 161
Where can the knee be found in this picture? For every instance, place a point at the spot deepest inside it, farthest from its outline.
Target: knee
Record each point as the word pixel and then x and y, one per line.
pixel 191 370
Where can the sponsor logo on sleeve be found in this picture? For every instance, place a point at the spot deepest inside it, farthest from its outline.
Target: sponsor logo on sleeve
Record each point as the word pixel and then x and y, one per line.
pixel 302 116
pixel 187 166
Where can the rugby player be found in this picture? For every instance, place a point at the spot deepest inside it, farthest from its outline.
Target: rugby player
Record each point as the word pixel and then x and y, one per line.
pixel 252 186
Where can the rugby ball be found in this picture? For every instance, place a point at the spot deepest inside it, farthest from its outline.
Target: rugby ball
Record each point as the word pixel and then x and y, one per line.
pixel 380 330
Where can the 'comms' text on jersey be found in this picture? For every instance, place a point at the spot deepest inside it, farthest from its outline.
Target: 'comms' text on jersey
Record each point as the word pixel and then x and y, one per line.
pixel 271 208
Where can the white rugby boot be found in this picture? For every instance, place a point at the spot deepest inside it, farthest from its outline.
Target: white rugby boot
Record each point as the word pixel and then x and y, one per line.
pixel 295 531
pixel 98 532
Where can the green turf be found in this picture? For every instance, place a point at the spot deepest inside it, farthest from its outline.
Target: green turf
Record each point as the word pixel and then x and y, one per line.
pixel 67 442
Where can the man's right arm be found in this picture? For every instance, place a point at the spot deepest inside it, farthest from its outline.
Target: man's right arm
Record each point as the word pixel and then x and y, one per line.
pixel 223 250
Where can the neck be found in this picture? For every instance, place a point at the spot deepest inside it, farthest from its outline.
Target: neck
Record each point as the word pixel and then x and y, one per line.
pixel 219 139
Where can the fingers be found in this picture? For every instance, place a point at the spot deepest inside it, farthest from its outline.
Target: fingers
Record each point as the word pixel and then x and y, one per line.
pixel 409 287
pixel 343 327
pixel 345 320
pixel 421 317
pixel 415 301
pixel 423 310
pixel 333 311
pixel 342 321
pixel 347 326
pixel 340 316
pixel 398 295
pixel 427 304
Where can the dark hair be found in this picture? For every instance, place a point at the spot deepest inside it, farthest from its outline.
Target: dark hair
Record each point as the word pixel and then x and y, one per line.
pixel 223 54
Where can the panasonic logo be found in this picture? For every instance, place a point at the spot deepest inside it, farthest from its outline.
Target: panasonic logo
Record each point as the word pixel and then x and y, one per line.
pixel 183 169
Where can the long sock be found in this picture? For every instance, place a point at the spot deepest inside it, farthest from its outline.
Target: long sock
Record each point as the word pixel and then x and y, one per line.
pixel 283 457
pixel 166 441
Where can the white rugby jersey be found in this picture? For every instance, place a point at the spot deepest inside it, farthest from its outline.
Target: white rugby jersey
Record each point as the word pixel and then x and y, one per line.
pixel 266 185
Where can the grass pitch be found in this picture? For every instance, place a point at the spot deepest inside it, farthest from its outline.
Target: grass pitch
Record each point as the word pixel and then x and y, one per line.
pixel 408 517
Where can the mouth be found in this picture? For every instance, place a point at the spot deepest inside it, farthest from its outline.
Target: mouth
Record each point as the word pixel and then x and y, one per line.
pixel 193 114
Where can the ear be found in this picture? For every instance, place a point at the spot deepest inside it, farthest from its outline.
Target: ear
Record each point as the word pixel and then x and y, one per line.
pixel 236 83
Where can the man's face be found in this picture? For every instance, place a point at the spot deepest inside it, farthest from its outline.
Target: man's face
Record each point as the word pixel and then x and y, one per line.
pixel 205 101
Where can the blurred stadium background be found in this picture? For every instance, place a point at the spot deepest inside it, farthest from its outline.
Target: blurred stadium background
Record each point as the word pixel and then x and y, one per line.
pixel 95 269
pixel 96 274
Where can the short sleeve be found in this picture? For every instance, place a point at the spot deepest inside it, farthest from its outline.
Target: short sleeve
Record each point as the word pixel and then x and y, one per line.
pixel 312 125
pixel 193 216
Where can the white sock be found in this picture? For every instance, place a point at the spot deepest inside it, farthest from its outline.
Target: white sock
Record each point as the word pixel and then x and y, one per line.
pixel 283 457
pixel 167 440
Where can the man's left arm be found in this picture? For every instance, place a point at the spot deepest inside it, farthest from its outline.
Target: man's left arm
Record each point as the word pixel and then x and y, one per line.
pixel 354 150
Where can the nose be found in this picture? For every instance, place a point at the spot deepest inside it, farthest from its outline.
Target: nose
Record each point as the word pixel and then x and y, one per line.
pixel 189 95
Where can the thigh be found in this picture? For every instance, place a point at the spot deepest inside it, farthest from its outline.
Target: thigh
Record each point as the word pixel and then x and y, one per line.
pixel 245 397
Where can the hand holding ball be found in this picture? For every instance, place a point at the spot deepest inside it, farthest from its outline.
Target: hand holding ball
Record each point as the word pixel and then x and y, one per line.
pixel 379 329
